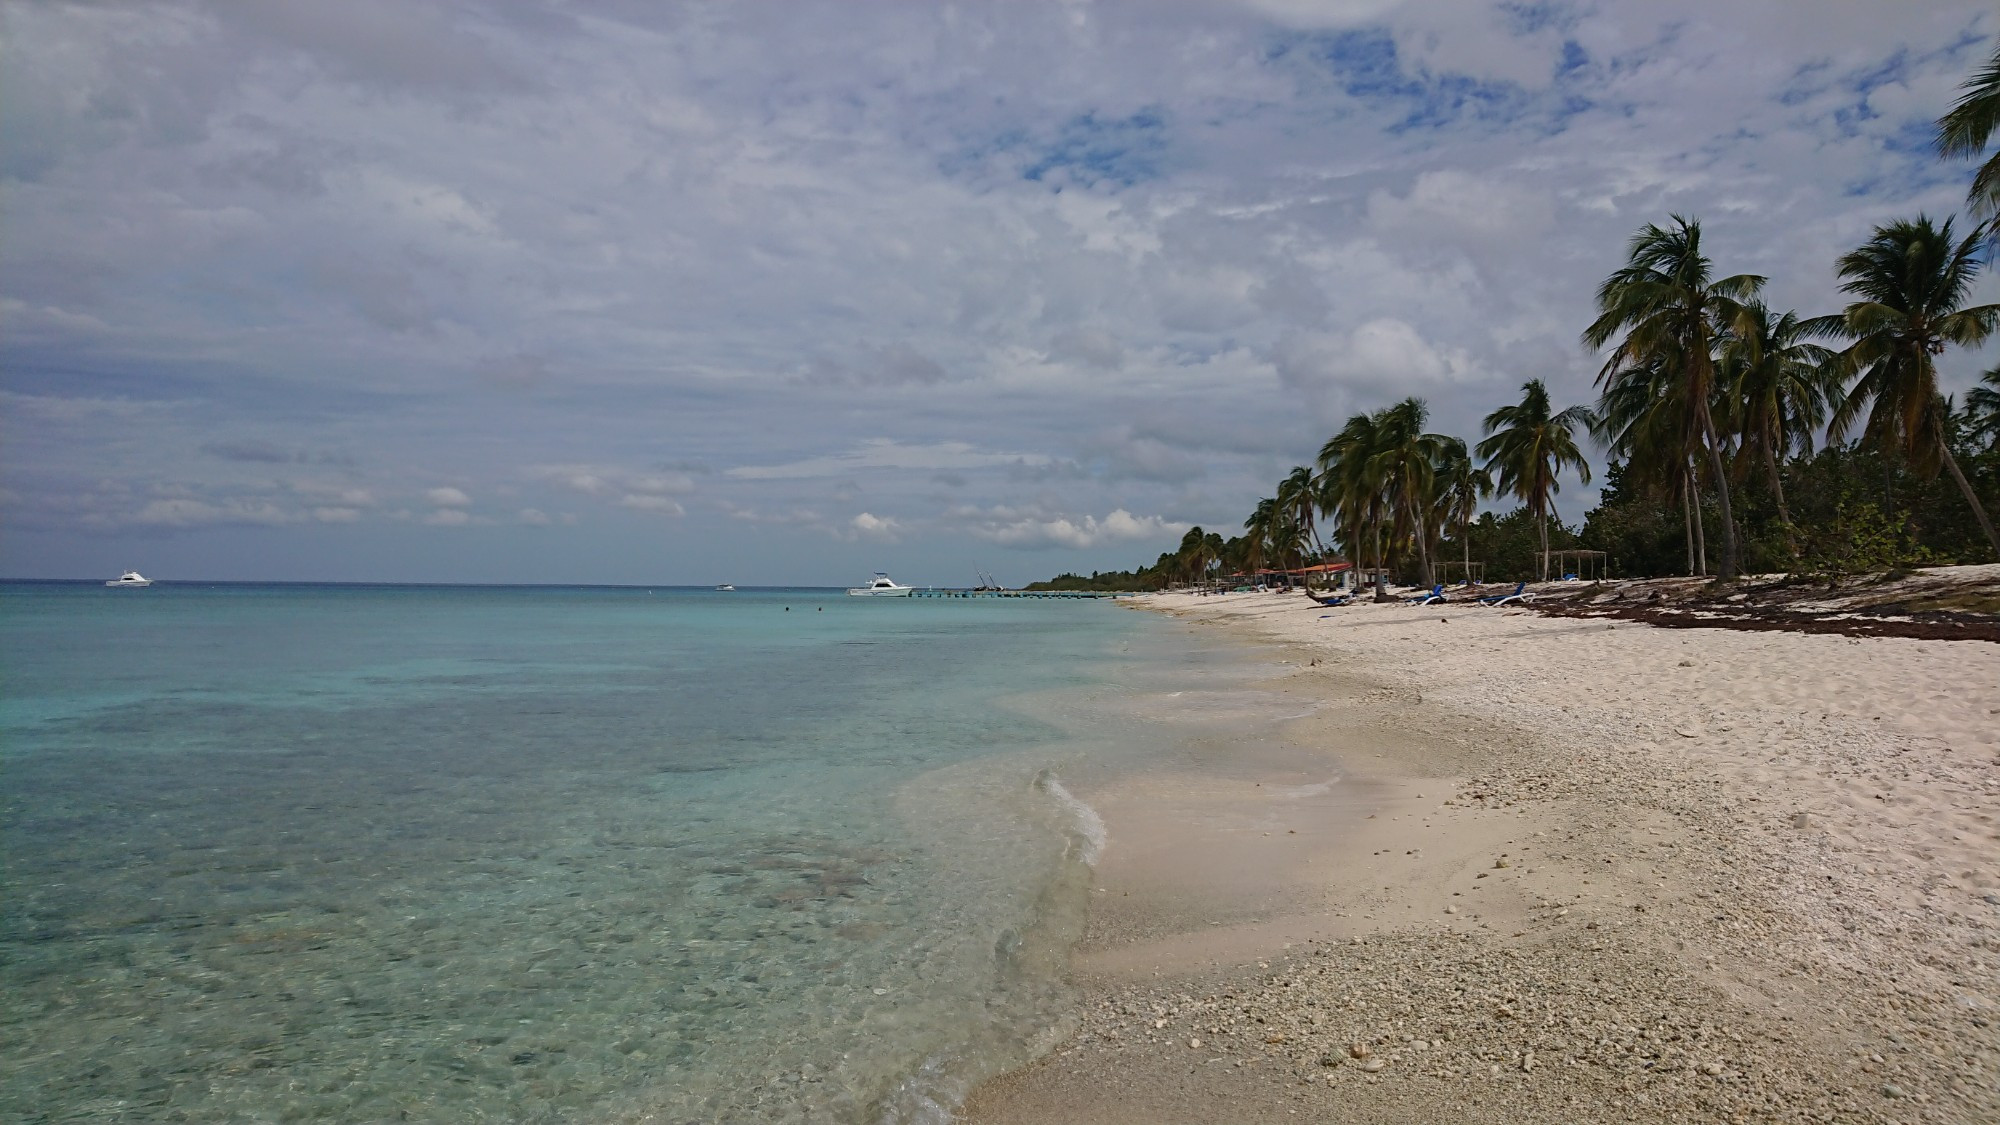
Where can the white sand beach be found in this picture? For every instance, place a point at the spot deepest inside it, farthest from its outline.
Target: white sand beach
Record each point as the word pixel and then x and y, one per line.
pixel 1577 870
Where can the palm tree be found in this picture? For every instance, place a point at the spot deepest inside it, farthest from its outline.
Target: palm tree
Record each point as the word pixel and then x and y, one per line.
pixel 1257 532
pixel 1298 496
pixel 1671 312
pixel 1643 419
pixel 1963 133
pixel 1190 559
pixel 1982 408
pixel 1461 485
pixel 1352 485
pixel 1778 384
pixel 1912 280
pixel 1405 464
pixel 1530 446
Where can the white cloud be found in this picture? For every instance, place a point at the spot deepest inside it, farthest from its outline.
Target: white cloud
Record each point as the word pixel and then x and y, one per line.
pixel 587 479
pixel 1380 360
pixel 448 498
pixel 185 512
pixel 658 484
pixel 654 505
pixel 336 514
pixel 448 517
pixel 1025 531
pixel 1456 207
pixel 871 526
pixel 609 480
pixel 533 517
pixel 882 453
pixel 824 244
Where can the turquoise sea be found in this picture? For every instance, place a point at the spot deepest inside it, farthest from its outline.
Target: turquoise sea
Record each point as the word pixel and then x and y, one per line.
pixel 370 853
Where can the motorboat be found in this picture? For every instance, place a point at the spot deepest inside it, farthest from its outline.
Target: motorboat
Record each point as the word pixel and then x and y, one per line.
pixel 882 586
pixel 724 588
pixel 130 578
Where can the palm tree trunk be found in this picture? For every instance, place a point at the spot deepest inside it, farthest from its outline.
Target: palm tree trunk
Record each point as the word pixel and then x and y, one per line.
pixel 1423 546
pixel 1687 517
pixel 1978 510
pixel 1778 494
pixel 1700 524
pixel 1381 595
pixel 1700 540
pixel 1544 523
pixel 1731 561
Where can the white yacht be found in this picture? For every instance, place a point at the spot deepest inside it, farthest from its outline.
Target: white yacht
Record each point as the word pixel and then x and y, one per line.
pixel 130 578
pixel 882 587
pixel 724 588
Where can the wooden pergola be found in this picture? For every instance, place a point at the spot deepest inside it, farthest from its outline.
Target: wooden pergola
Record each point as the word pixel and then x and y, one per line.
pixel 1591 561
pixel 1474 573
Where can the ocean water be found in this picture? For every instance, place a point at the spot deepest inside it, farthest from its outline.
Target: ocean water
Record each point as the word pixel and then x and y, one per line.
pixel 348 853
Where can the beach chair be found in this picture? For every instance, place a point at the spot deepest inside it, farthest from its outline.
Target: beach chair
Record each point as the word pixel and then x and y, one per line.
pixel 1335 599
pixel 1436 595
pixel 1520 594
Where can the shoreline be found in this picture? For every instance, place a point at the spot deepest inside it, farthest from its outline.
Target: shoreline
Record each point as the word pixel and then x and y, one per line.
pixel 1642 881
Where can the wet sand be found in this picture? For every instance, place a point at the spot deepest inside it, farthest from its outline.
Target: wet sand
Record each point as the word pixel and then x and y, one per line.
pixel 1569 871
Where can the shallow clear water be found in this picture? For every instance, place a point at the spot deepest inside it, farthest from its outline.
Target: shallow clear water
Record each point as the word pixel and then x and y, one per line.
pixel 468 854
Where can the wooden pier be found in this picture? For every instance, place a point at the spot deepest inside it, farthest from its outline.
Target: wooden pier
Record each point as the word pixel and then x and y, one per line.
pixel 939 592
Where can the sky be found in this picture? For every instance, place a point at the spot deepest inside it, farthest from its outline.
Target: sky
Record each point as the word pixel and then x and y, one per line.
pixel 784 293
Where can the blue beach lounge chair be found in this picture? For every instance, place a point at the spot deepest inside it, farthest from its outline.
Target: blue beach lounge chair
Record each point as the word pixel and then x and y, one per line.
pixel 1436 595
pixel 1519 595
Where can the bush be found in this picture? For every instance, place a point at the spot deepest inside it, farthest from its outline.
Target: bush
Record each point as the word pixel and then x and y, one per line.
pixel 1859 539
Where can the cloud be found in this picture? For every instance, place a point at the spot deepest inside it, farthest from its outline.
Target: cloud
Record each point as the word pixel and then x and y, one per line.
pixel 449 517
pixel 1456 208
pixel 1382 358
pixel 1030 532
pixel 652 504
pixel 877 454
pixel 385 43
pixel 341 495
pixel 870 526
pixel 1090 347
pixel 610 480
pixel 893 365
pixel 72 409
pixel 519 370
pixel 336 514
pixel 533 517
pixel 187 513
pixel 448 498
pixel 1042 262
pixel 253 452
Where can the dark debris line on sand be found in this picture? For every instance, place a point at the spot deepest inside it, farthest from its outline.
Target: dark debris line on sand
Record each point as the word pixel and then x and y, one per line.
pixel 1929 606
pixel 1939 626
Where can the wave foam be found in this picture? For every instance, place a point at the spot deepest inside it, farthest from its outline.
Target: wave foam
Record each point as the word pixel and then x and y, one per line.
pixel 1084 821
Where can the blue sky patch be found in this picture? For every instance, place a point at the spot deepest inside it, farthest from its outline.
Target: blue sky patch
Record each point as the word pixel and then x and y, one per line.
pixel 1095 150
pixel 1367 66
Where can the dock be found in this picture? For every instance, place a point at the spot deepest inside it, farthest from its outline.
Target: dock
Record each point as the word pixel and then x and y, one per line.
pixel 939 592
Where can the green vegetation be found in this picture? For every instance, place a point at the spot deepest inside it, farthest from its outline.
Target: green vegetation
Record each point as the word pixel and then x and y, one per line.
pixel 1820 446
pixel 1110 581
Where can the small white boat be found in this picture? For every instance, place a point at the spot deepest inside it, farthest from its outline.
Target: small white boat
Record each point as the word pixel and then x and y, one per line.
pixel 882 587
pixel 724 588
pixel 130 578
